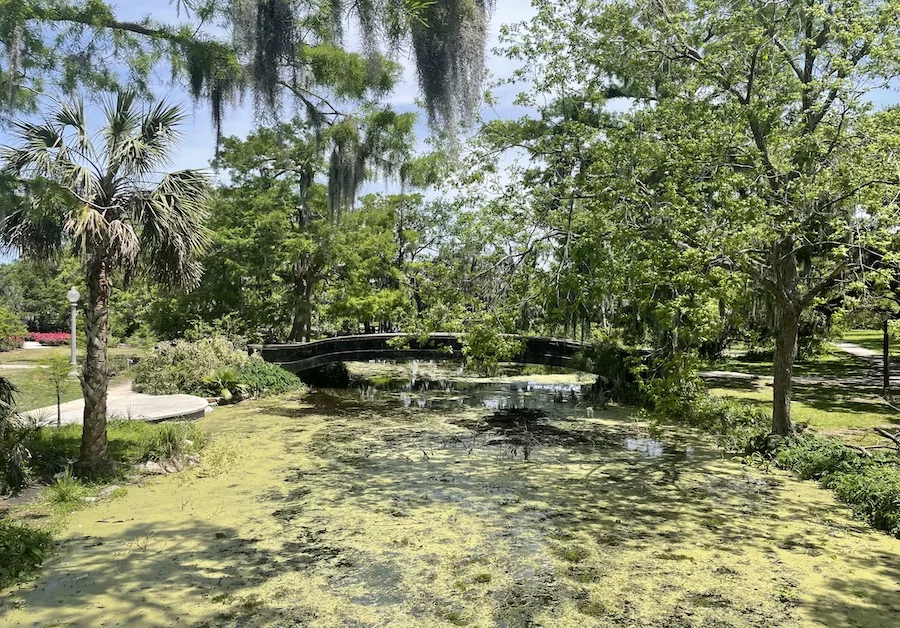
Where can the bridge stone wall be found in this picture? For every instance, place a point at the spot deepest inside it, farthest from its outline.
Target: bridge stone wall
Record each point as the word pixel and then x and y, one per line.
pixel 299 357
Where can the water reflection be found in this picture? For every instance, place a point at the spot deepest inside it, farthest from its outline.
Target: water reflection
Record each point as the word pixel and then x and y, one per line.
pixel 526 421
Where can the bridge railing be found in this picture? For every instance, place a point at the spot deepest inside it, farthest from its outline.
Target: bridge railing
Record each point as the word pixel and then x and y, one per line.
pixel 297 357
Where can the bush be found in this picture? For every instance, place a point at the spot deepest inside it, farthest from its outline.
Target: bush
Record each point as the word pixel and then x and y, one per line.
pixel 261 378
pixel 51 338
pixel 14 431
pixel 815 458
pixel 12 330
pixel 736 424
pixel 870 485
pixel 873 493
pixel 22 550
pixel 182 366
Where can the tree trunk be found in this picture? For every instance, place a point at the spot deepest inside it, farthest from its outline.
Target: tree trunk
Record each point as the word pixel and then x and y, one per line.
pixel 785 353
pixel 301 328
pixel 886 361
pixel 95 377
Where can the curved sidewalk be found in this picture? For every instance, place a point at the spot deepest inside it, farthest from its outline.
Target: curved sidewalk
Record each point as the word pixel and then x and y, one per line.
pixel 122 403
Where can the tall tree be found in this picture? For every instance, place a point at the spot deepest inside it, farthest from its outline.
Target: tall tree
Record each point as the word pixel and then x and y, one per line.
pixel 750 146
pixel 102 197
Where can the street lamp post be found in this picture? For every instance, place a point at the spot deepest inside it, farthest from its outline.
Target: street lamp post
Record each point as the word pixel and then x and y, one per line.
pixel 73 297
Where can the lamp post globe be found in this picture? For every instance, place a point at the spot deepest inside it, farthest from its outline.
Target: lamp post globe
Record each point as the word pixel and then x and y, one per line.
pixel 73 296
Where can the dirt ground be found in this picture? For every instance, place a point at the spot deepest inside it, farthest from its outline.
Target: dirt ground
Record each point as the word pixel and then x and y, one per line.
pixel 356 510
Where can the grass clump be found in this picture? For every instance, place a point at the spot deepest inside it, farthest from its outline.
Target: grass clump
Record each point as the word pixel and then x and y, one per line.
pixel 173 440
pixel 67 491
pixel 22 550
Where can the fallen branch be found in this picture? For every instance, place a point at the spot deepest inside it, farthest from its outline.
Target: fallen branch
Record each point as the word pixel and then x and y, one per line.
pixel 895 438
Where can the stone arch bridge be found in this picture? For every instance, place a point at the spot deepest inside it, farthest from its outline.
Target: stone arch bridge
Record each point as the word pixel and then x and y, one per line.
pixel 300 357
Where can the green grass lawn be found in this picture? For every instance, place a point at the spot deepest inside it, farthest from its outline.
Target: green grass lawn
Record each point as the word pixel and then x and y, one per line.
pixel 36 390
pixel 849 409
pixel 34 356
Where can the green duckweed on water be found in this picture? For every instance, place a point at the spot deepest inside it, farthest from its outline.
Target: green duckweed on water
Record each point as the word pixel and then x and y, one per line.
pixel 413 508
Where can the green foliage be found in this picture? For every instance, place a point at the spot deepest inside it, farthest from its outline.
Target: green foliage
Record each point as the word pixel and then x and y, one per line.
pixel 67 491
pixel 14 431
pixel 618 372
pixel 35 291
pixel 869 485
pixel 173 440
pixel 814 458
pixel 182 366
pixel 735 424
pixel 22 550
pixel 224 382
pixel 260 378
pixel 738 188
pixel 484 347
pixel 209 366
pixel 54 449
pixel 873 494
pixel 12 330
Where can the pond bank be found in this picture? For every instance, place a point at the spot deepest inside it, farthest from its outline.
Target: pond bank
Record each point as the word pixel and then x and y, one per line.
pixel 460 502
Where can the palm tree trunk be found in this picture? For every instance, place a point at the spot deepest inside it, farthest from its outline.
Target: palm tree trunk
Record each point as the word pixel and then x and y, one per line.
pixel 95 378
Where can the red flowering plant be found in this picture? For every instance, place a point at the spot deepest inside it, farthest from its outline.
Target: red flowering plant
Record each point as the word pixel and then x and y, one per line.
pixel 50 339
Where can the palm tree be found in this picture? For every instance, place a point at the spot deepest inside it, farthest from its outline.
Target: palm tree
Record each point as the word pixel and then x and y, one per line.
pixel 103 197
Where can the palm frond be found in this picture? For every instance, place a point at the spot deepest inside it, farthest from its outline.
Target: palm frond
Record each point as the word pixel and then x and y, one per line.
pixel 122 118
pixel 71 115
pixel 172 220
pixel 150 146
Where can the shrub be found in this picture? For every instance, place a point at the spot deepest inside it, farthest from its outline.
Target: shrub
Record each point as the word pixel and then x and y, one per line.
pixel 873 493
pixel 737 425
pixel 50 339
pixel 182 366
pixel 22 550
pixel 14 431
pixel 12 330
pixel 869 485
pixel 261 378
pixel 816 458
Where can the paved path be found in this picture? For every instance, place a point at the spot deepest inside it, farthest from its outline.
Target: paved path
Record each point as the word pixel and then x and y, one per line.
pixel 859 352
pixel 868 377
pixel 125 404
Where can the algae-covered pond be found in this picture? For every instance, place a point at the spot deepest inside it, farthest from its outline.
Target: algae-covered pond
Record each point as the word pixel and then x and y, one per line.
pixel 457 501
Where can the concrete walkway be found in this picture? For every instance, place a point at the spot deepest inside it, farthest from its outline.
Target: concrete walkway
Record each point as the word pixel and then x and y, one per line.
pixel 122 403
pixel 859 352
